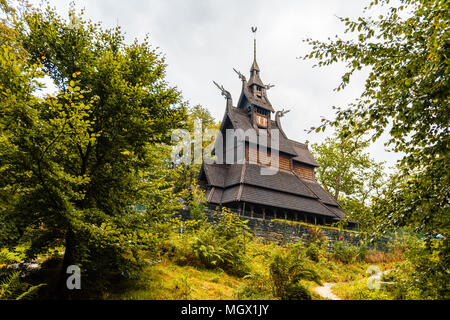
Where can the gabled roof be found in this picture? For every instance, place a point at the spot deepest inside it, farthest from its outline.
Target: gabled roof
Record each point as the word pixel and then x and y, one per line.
pixel 278 199
pixel 281 181
pixel 240 120
pixel 303 154
pixel 262 102
pixel 244 182
pixel 225 176
pixel 324 196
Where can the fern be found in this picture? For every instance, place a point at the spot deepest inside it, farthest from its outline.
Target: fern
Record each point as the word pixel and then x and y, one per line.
pixel 12 288
pixel 8 257
pixel 31 292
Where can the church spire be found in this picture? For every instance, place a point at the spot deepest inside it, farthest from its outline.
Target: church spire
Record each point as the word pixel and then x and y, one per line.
pixel 254 69
pixel 253 93
pixel 255 64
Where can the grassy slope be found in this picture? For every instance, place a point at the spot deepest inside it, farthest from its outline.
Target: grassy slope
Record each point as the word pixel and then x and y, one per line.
pixel 166 280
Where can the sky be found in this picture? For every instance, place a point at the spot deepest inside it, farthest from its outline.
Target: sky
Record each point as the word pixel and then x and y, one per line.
pixel 203 40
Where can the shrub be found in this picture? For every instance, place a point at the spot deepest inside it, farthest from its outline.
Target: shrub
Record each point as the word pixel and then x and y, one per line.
pixel 258 287
pixel 315 234
pixel 313 252
pixel 343 252
pixel 296 291
pixel 197 203
pixel 286 272
pixel 362 251
pixel 218 245
pixel 216 251
pixel 12 288
pixel 8 257
pixel 425 273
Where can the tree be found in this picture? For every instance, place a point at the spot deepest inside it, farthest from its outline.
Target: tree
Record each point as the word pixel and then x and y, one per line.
pixel 350 175
pixel 87 167
pixel 406 52
pixel 346 168
pixel 199 121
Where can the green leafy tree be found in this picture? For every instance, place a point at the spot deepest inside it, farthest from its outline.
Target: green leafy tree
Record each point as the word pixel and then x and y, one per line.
pixel 345 167
pixel 348 173
pixel 406 51
pixel 196 116
pixel 86 167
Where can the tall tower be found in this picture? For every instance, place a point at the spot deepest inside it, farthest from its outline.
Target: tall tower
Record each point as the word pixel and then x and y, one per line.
pixel 292 191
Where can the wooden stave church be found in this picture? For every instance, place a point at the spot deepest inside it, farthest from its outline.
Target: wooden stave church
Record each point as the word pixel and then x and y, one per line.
pixel 292 193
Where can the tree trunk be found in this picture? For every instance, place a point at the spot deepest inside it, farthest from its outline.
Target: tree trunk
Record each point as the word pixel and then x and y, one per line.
pixel 62 291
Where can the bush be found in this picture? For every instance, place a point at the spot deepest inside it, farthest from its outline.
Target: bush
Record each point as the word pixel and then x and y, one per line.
pixel 286 272
pixel 362 251
pixel 344 253
pixel 296 291
pixel 13 288
pixel 219 245
pixel 313 252
pixel 9 257
pixel 424 274
pixel 315 235
pixel 258 287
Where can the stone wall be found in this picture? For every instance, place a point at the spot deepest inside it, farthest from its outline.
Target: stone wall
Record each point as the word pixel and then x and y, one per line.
pixel 292 232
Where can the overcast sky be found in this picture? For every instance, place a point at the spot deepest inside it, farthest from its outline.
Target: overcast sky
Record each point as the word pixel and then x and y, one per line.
pixel 204 39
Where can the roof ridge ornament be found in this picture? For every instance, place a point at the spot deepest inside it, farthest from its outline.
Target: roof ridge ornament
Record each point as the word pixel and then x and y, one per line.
pixel 278 116
pixel 241 76
pixel 224 92
pixel 227 96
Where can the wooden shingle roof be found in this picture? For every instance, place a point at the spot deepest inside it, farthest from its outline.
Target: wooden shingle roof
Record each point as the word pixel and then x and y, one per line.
pixel 244 182
pixel 303 154
pixel 240 120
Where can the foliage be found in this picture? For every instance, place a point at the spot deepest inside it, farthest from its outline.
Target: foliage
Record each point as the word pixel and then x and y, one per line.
pixel 405 50
pixel 85 167
pixel 344 252
pixel 315 235
pixel 10 256
pixel 313 252
pixel 426 273
pixel 215 252
pixel 12 288
pixel 258 287
pixel 286 272
pixel 197 203
pixel 350 175
pixel 221 245
pixel 202 128
pixel 346 168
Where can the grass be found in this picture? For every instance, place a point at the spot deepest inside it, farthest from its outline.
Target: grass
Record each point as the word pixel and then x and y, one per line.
pixel 358 290
pixel 169 281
